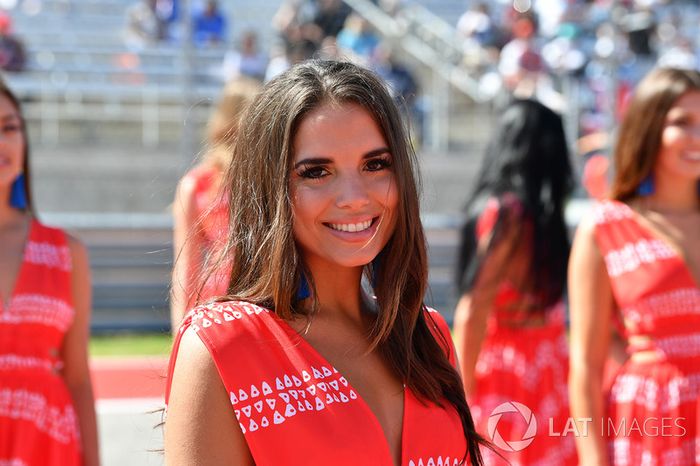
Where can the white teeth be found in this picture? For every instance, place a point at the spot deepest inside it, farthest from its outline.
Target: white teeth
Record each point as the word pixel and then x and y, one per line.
pixel 351 227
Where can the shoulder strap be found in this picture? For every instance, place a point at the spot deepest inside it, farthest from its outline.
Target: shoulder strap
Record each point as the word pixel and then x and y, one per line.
pixel 48 246
pixel 229 330
pixel 612 220
pixel 441 332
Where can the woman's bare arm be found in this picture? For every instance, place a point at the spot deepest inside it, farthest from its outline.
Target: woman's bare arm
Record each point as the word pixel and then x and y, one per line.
pixel 591 306
pixel 185 252
pixel 473 308
pixel 74 353
pixel 200 427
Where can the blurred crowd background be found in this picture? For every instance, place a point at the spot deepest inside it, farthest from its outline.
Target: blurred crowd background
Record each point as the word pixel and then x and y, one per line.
pixel 117 93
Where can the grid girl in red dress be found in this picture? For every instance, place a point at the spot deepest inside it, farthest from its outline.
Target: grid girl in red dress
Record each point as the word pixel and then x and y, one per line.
pixel 636 260
pixel 47 414
pixel 509 321
pixel 305 363
pixel 200 211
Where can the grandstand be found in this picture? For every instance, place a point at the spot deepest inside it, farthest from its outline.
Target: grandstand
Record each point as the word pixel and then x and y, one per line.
pixel 113 129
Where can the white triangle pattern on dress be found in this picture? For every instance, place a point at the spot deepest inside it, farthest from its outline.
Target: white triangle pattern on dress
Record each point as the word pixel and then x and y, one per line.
pixel 289 395
pixel 286 395
pixel 434 461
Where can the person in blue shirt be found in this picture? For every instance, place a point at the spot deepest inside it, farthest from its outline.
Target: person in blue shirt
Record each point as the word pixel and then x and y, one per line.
pixel 209 26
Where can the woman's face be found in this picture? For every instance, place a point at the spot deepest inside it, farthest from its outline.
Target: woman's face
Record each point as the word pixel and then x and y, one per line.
pixel 344 193
pixel 679 153
pixel 11 142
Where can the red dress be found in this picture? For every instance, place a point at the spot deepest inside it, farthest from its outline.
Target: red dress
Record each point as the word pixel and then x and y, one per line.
pixel 38 424
pixel 653 404
pixel 210 234
pixel 295 409
pixel 523 362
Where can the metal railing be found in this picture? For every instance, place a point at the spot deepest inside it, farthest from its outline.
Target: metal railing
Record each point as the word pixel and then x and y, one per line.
pixel 436 46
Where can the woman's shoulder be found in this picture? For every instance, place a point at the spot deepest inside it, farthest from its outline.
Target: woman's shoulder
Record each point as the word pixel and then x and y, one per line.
pixel 52 246
pixel 435 316
pixel 502 209
pixel 224 313
pixel 198 178
pixel 441 330
pixel 225 323
pixel 607 211
pixel 43 231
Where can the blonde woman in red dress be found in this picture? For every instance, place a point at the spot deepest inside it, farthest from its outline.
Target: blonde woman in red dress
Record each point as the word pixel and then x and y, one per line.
pixel 47 414
pixel 636 260
pixel 200 211
pixel 304 364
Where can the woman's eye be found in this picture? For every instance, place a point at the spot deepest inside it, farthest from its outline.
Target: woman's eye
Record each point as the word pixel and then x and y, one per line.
pixel 682 122
pixel 375 165
pixel 10 128
pixel 313 172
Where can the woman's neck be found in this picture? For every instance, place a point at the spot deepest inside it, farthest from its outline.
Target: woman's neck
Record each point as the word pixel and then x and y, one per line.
pixel 338 291
pixel 9 216
pixel 672 196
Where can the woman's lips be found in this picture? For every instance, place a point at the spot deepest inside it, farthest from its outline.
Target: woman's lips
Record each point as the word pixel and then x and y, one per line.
pixel 357 231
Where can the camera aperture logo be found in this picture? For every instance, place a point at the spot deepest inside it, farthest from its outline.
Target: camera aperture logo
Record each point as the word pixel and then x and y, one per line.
pixel 527 415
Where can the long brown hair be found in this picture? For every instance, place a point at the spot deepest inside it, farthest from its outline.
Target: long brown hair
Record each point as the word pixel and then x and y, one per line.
pixel 639 138
pixel 7 92
pixel 267 266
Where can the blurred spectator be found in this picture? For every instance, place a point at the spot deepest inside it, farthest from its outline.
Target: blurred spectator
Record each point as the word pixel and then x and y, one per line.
pixel 12 54
pixel 520 56
pixel 476 24
pixel 144 26
pixel 329 49
pixel 639 26
pixel 390 7
pixel 209 25
pixel 401 83
pixel 357 39
pixel 294 53
pixel 247 61
pixel 168 11
pixel 563 54
pixel 549 15
pixel 399 79
pixel 330 16
pixel 680 55
pixel 291 15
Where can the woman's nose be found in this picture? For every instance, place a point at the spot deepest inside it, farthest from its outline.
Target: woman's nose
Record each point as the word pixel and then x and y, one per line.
pixel 352 193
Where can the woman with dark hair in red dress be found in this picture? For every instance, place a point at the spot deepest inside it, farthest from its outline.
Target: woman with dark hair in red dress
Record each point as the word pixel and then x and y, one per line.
pixel 47 413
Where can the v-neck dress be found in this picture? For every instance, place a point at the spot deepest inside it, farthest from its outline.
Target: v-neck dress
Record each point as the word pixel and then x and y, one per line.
pixel 294 408
pixel 653 405
pixel 38 424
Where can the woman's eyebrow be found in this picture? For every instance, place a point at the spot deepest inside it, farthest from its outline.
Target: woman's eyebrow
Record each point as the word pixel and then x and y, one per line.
pixel 326 161
pixel 313 161
pixel 376 152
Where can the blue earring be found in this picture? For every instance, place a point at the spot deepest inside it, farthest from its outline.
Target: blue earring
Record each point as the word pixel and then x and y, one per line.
pixel 646 187
pixel 18 193
pixel 303 290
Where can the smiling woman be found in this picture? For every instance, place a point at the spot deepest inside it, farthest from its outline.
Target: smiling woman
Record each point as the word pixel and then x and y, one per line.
pixel 47 414
pixel 302 364
pixel 637 261
pixel 344 202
